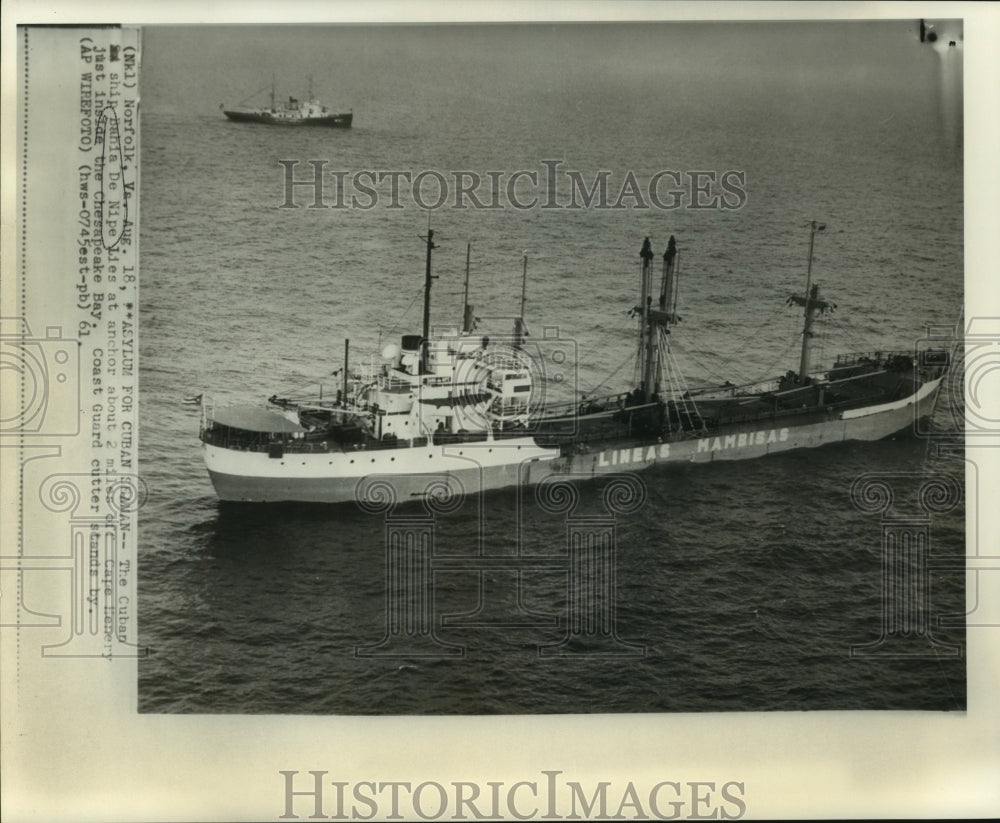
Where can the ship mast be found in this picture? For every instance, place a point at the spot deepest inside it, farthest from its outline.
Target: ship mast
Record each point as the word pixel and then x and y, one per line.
pixel 668 286
pixel 645 330
pixel 652 320
pixel 272 91
pixel 467 317
pixel 811 303
pixel 425 343
pixel 520 331
pixel 664 315
pixel 347 350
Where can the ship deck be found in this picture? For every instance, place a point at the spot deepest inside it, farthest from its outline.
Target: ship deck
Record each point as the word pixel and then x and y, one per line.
pixel 855 381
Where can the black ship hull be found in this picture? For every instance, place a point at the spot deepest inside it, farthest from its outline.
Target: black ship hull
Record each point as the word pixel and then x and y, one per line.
pixel 331 121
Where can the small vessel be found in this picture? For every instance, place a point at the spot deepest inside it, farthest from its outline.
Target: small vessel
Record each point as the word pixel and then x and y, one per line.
pixel 293 112
pixel 471 408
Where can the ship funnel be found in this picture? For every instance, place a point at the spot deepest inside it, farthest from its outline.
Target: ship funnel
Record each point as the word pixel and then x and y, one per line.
pixel 410 356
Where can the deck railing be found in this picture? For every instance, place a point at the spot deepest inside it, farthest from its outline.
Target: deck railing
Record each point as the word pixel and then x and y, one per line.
pixel 865 357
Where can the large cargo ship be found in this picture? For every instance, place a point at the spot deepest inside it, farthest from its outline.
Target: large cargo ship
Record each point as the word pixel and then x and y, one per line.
pixel 470 407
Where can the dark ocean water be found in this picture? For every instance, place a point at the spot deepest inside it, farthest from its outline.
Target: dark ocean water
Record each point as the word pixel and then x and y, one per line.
pixel 745 584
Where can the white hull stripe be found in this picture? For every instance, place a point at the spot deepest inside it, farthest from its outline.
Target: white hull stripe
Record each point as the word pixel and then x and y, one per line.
pixel 919 395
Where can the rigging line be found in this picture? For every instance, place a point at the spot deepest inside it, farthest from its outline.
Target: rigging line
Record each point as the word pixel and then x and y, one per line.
pixel 706 368
pixel 583 358
pixel 767 372
pixel 250 97
pixel 318 381
pixel 677 380
pixel 302 388
pixel 307 383
pixel 719 372
pixel 790 322
pixel 637 354
pixel 405 312
pixel 610 374
pixel 687 402
pixel 666 380
pixel 709 371
pixel 953 373
pixel 834 323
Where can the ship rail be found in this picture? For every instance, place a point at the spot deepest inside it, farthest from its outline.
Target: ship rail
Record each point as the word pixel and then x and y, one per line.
pixel 777 414
pixel 865 358
pixel 281 443
pixel 868 357
pixel 293 442
pixel 586 406
pixel 388 381
pixel 730 390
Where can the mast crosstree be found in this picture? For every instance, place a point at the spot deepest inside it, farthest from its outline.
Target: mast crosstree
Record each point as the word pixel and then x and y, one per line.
pixel 812 304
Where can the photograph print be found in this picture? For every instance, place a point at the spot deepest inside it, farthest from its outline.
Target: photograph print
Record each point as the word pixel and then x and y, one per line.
pixel 537 369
